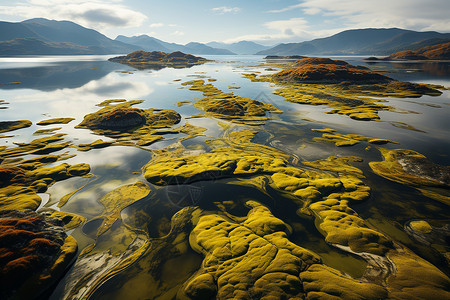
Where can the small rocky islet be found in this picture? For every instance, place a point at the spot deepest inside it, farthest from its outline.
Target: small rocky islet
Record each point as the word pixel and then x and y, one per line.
pixel 240 256
pixel 158 60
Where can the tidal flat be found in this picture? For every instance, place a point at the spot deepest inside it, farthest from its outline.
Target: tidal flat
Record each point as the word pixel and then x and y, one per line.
pixel 226 179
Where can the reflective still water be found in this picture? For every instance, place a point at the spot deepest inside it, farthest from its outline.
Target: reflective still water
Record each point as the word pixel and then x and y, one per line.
pixel 39 88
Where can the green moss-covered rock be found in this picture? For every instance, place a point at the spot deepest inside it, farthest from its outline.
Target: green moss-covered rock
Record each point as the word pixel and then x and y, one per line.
pixel 230 107
pixel 127 124
pixel 414 169
pixel 157 59
pixel 251 259
pixel 55 121
pixel 6 126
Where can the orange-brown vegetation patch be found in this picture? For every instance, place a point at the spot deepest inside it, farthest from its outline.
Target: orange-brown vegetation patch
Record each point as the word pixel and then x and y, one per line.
pixel 325 70
pixel 439 51
pixel 30 243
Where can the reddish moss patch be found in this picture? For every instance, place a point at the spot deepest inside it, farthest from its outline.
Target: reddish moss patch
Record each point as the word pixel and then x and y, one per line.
pixel 325 70
pixel 30 243
pixel 439 51
pixel 11 175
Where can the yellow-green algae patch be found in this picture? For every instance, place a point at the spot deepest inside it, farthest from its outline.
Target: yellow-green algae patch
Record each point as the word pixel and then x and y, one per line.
pixel 109 101
pixel 253 259
pixel 230 107
pixel 326 130
pixel 116 200
pixel 347 94
pixel 46 131
pixel 414 169
pixel 181 103
pixel 6 126
pixel 21 180
pixel 421 226
pixel 94 145
pixel 45 145
pixel 341 140
pixel 323 195
pixel 55 121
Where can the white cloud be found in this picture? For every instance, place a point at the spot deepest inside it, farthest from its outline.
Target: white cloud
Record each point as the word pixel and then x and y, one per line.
pixel 156 25
pixel 178 33
pixel 285 9
pixel 225 9
pixel 97 14
pixel 409 14
pixel 294 29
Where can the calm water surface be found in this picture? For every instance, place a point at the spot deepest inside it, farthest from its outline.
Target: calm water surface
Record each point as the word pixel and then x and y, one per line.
pixel 70 86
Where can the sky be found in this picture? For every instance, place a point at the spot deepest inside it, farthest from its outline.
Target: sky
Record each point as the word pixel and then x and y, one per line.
pixel 267 22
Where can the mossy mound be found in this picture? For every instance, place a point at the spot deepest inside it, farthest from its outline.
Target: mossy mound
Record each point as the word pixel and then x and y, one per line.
pixel 343 87
pixel 230 107
pixel 143 59
pixel 421 226
pixel 34 252
pixel 125 123
pixel 21 179
pixel 414 169
pixel 238 250
pixel 435 52
pixel 251 259
pixel 55 121
pixel 325 70
pixel 341 140
pixel 6 126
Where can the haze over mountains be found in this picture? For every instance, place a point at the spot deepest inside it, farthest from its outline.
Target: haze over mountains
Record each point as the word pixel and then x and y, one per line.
pixel 149 43
pixel 41 36
pixel 368 41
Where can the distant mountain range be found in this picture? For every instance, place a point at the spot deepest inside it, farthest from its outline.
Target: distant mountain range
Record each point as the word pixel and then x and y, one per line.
pixel 149 43
pixel 242 47
pixel 41 36
pixel 362 42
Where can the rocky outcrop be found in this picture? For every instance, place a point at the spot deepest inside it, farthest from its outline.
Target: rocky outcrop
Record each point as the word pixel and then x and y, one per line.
pixel 143 59
pixel 34 249
pixel 325 70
